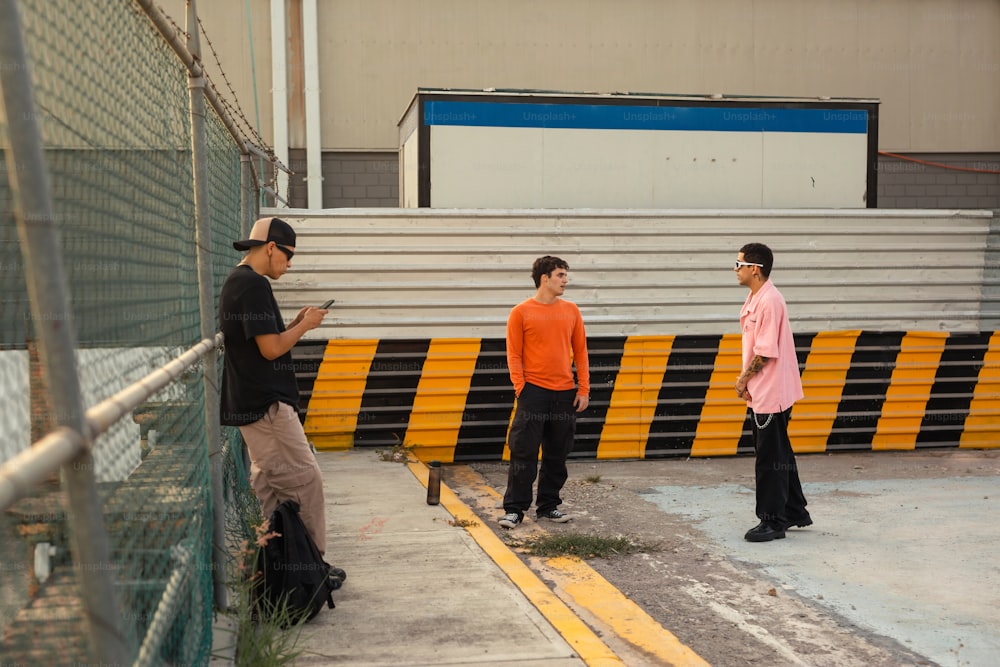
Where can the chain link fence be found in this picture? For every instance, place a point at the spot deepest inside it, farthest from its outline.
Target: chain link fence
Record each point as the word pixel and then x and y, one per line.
pixel 114 114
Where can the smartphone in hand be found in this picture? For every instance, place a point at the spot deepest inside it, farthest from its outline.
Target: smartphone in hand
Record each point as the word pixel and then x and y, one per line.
pixel 327 305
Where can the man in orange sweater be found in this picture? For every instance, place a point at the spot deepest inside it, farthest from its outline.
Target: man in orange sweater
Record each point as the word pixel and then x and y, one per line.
pixel 545 336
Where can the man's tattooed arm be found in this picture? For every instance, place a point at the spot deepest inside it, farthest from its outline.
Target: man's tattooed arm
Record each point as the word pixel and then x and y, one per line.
pixel 752 369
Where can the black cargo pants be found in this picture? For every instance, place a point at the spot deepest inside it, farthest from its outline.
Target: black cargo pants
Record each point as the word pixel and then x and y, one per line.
pixel 547 419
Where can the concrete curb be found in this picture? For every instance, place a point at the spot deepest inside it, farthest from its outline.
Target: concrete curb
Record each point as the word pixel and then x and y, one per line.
pixel 589 647
pixel 591 594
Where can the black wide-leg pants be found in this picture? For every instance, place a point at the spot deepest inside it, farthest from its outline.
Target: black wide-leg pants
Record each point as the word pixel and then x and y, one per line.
pixel 780 501
pixel 547 419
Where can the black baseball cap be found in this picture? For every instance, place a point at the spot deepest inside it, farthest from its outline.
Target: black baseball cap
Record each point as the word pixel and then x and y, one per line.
pixel 266 230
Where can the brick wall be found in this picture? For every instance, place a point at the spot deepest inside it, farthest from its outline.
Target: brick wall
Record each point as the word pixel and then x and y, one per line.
pixel 904 184
pixel 362 180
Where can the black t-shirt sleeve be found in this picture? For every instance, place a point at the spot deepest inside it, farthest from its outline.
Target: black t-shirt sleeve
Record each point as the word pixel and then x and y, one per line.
pixel 257 313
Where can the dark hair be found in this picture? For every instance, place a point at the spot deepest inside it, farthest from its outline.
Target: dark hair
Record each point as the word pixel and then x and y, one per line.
pixel 544 266
pixel 758 253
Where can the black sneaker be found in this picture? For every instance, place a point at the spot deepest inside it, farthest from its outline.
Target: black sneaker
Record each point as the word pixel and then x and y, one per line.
pixel 555 516
pixel 510 519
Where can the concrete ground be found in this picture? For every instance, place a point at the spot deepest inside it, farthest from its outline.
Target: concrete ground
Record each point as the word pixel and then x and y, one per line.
pixel 904 546
pixel 420 590
pixel 912 558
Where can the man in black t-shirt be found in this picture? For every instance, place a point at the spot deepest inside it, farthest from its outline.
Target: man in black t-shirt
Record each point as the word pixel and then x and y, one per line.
pixel 259 391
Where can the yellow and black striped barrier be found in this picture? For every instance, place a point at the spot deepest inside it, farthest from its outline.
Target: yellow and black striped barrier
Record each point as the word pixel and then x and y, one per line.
pixel 657 396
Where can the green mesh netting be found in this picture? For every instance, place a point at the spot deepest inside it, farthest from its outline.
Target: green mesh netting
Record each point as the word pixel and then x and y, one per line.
pixel 113 110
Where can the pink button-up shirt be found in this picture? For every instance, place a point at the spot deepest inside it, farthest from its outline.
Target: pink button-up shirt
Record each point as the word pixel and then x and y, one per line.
pixel 766 332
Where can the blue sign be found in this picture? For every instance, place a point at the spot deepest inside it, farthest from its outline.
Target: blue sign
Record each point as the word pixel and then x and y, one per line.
pixel 631 117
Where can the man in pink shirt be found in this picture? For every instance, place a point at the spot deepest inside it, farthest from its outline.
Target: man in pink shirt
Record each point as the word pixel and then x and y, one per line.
pixel 770 384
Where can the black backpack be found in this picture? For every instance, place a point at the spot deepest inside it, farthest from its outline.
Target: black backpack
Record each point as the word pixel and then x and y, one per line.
pixel 290 572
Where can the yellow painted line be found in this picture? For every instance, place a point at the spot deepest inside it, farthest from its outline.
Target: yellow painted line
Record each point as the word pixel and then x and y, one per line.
pixel 579 636
pixel 332 413
pixel 439 404
pixel 823 382
pixel 909 390
pixel 723 413
pixel 593 592
pixel 634 398
pixel 982 426
pixel 616 611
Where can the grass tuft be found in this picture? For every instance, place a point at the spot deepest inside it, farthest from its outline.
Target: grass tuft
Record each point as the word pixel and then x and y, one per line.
pixel 400 452
pixel 266 635
pixel 583 546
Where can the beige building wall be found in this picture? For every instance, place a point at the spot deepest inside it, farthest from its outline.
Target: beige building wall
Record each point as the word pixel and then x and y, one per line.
pixel 934 64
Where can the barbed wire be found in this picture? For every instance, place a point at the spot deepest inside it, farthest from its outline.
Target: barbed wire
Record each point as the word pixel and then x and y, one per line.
pixel 237 110
pixel 233 108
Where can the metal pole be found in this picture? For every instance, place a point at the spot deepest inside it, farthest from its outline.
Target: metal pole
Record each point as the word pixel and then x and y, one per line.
pixel 53 324
pixel 251 211
pixel 32 466
pixel 248 195
pixel 314 146
pixel 279 90
pixel 206 298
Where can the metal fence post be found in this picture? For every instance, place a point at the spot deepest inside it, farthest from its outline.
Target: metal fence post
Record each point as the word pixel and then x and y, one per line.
pixel 248 194
pixel 206 297
pixel 53 323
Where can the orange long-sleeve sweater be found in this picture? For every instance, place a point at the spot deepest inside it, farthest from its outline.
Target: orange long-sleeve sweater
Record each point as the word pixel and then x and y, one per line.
pixel 543 342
